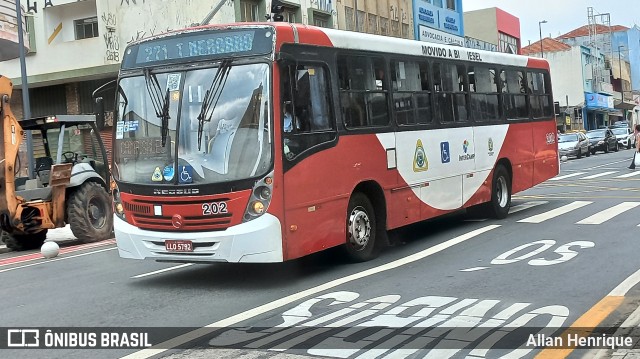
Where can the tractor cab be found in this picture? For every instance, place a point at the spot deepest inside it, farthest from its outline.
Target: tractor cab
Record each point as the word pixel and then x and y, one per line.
pixel 61 139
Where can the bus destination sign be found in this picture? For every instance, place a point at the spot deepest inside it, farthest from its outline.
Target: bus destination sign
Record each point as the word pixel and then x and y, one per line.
pixel 149 147
pixel 199 45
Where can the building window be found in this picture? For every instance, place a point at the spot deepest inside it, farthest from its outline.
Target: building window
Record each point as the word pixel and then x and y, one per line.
pixel 289 15
pixel 348 18
pixel 248 11
pixel 384 26
pixel 373 24
pixel 406 31
pixel 451 5
pixel 395 28
pixel 361 21
pixel 508 44
pixel 86 28
pixel 437 3
pixel 320 21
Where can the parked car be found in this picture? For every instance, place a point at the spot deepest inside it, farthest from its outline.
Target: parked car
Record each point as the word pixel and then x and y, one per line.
pixel 573 145
pixel 602 140
pixel 625 136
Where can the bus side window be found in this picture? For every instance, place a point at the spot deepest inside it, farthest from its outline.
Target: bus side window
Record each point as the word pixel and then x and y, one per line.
pixel 310 102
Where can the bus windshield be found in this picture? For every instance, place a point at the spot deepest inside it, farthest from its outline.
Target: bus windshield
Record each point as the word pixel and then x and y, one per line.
pixel 199 126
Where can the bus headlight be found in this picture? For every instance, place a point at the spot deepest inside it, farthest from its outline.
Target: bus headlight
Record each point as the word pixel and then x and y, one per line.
pixel 118 208
pixel 260 198
pixel 257 207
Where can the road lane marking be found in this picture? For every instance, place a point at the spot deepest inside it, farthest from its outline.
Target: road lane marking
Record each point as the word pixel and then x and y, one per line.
pixel 606 164
pixel 555 212
pixel 636 173
pixel 594 316
pixel 162 271
pixel 599 175
pixel 527 205
pixel 567 176
pixel 473 269
pixel 609 213
pixel 583 326
pixel 279 303
pixel 57 259
pixel 38 255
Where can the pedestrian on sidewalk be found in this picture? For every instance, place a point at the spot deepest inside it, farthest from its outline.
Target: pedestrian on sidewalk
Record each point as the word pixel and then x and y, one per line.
pixel 636 134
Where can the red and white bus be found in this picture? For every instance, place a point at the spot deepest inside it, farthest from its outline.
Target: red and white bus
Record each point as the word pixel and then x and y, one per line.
pixel 269 142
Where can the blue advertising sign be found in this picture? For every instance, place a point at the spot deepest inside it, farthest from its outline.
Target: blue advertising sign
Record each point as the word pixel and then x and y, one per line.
pixel 596 100
pixel 441 15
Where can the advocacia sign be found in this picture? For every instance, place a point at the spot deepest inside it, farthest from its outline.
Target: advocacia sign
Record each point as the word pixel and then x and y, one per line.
pixel 432 35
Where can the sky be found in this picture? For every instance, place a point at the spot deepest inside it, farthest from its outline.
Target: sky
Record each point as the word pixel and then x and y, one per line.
pixel 562 16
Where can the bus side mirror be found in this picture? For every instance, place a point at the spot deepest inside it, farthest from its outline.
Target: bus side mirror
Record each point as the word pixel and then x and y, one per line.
pixel 98 109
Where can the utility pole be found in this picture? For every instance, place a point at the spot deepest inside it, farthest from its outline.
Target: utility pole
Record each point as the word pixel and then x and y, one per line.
pixel 540 28
pixel 26 105
pixel 212 13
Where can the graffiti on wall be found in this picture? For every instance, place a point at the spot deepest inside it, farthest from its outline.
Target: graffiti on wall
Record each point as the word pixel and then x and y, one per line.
pixel 129 2
pixel 111 41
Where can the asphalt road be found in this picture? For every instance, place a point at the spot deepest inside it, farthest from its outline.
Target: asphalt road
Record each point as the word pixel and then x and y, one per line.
pixel 567 244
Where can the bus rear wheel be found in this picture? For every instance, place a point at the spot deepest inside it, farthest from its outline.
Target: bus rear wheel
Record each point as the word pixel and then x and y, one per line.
pixel 361 229
pixel 500 193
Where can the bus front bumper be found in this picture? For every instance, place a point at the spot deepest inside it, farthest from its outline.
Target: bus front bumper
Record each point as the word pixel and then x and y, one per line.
pixel 256 241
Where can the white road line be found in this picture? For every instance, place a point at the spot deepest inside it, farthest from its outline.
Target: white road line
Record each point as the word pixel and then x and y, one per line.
pixel 538 218
pixel 473 269
pixel 599 175
pixel 606 164
pixel 567 176
pixel 635 173
pixel 57 259
pixel 161 271
pixel 626 285
pixel 527 205
pixel 609 213
pixel 279 303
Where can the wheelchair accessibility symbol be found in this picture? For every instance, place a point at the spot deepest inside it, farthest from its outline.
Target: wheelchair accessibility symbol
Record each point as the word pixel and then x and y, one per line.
pixel 186 174
pixel 444 152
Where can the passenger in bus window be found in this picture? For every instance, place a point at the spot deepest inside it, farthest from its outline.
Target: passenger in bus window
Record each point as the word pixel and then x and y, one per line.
pixel 288 120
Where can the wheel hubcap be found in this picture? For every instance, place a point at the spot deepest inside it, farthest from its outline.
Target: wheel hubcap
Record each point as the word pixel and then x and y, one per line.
pixel 359 228
pixel 502 191
pixel 96 213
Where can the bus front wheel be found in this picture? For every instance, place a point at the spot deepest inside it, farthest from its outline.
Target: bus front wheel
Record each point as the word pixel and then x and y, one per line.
pixel 361 230
pixel 500 193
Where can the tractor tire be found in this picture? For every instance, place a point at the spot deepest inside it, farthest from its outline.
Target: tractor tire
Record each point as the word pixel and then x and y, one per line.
pixel 23 242
pixel 89 213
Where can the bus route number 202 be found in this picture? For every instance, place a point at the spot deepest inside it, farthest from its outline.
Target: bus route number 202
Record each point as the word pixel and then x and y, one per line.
pixel 209 209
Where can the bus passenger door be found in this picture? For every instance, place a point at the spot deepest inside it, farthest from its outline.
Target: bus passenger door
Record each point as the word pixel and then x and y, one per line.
pixel 309 136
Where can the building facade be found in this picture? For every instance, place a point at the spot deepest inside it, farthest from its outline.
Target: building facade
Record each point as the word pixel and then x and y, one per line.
pixel 492 26
pixel 621 46
pixel 438 21
pixel 383 17
pixel 78 45
pixel 582 105
pixel 9 48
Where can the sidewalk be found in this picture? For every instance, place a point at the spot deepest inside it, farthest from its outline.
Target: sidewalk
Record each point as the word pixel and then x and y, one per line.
pixel 56 235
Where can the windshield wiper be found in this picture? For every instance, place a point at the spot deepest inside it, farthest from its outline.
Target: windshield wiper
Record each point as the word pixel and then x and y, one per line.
pixel 212 96
pixel 160 103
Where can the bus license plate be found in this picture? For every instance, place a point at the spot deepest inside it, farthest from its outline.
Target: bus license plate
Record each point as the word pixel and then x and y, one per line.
pixel 178 246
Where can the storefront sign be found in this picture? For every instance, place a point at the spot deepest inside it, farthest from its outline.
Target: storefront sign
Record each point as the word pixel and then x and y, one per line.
pixel 472 43
pixel 432 35
pixel 596 100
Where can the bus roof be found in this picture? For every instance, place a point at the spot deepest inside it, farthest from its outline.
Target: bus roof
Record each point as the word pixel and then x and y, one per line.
pixel 320 36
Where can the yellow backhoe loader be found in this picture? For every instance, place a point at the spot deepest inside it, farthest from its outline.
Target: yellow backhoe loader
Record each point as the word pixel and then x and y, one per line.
pixel 69 182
